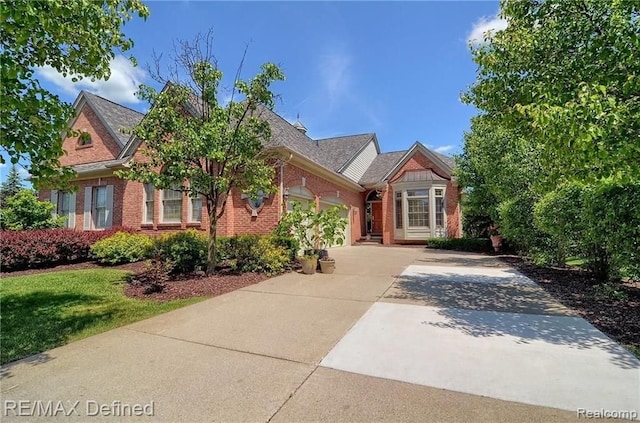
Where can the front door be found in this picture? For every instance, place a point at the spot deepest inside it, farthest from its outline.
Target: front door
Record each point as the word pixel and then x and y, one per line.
pixel 376 218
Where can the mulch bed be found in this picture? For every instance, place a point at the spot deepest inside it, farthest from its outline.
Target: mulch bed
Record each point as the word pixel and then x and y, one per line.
pixel 578 290
pixel 198 286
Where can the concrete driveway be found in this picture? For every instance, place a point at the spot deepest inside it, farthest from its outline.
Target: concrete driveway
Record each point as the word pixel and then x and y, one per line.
pixel 467 323
pixel 277 351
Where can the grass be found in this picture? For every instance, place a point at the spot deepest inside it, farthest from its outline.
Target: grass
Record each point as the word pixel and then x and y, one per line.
pixel 43 311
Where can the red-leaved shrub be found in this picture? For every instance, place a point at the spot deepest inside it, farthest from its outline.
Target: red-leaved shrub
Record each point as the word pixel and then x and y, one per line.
pixel 48 247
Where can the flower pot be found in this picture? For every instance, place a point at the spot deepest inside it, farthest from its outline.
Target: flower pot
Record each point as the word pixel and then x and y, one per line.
pixel 309 265
pixel 327 266
pixel 496 242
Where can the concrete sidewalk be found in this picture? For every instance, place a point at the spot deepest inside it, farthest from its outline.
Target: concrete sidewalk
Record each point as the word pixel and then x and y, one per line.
pixel 253 356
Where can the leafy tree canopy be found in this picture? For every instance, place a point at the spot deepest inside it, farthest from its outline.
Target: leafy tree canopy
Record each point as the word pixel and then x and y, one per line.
pixel 73 37
pixel 206 148
pixel 568 73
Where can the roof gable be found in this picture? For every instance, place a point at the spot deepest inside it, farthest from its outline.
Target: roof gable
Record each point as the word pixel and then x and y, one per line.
pixel 415 148
pixel 117 119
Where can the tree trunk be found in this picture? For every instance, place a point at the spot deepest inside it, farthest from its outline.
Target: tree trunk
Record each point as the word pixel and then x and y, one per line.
pixel 212 259
pixel 212 253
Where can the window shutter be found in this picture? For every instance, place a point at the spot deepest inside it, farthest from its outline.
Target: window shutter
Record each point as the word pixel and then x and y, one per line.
pixel 54 201
pixel 87 208
pixel 72 211
pixel 109 206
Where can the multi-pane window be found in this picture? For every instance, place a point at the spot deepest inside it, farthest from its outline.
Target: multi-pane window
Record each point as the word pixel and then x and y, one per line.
pixel 100 207
pixel 148 203
pixel 196 209
pixel 418 208
pixel 399 210
pixel 64 207
pixel 439 195
pixel 172 205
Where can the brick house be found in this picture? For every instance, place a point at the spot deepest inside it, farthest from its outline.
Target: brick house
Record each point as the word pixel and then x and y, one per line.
pixel 398 197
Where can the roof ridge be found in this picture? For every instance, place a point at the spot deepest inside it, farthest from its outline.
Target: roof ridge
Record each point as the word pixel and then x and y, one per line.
pixel 112 102
pixel 345 136
pixel 287 122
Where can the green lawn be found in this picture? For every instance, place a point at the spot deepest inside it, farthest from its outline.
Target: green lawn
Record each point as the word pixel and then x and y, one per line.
pixel 47 310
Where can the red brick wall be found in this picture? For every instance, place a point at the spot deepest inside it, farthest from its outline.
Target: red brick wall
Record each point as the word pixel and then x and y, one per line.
pixel 103 146
pixel 320 188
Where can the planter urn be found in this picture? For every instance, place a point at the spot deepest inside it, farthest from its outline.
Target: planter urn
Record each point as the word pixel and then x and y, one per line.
pixel 327 266
pixel 309 265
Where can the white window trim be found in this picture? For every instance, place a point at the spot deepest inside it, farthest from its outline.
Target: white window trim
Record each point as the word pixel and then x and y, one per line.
pixel 145 221
pixel 94 207
pixel 415 233
pixel 190 209
pixel 162 219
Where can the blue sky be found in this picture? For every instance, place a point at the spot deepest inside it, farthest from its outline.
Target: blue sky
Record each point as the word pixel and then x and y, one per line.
pixel 393 68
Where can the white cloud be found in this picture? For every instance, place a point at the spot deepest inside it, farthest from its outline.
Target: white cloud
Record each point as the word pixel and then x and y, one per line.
pixel 335 73
pixel 444 148
pixel 483 26
pixel 120 87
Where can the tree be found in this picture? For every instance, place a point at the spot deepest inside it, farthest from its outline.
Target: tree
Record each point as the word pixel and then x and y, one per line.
pixel 11 185
pixel 568 73
pixel 205 148
pixel 24 211
pixel 74 38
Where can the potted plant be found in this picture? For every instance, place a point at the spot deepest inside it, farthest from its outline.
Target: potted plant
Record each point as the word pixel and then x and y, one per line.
pixel 315 232
pixel 496 238
pixel 330 231
pixel 301 224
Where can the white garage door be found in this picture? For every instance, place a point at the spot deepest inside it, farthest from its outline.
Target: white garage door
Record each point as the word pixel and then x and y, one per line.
pixel 332 201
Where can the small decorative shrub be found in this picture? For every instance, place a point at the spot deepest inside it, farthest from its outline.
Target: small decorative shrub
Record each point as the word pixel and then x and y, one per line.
pixel 154 278
pixel 477 245
pixel 122 248
pixel 185 250
pixel 48 247
pixel 290 244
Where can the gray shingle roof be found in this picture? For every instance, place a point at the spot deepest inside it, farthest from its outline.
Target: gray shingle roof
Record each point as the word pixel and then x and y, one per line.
pixel 116 117
pixel 381 165
pixel 283 134
pixel 336 152
pixel 450 161
pixel 95 166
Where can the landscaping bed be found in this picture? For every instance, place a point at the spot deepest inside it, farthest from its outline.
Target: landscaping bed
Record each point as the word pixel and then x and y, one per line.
pixel 614 309
pixel 198 286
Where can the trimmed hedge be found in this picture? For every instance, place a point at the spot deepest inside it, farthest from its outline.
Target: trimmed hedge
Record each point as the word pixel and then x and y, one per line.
pixel 474 245
pixel 48 247
pixel 253 253
pixel 122 248
pixel 186 251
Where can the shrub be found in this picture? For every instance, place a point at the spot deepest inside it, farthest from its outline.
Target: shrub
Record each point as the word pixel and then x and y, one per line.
pixel 154 278
pixel 185 250
pixel 478 245
pixel 290 244
pixel 612 213
pixel 48 247
pixel 122 248
pixel 254 253
pixel 24 211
